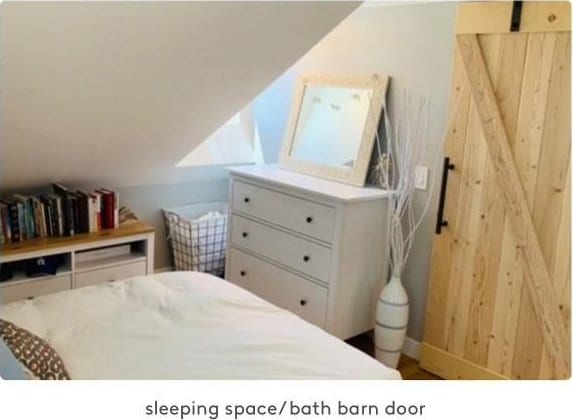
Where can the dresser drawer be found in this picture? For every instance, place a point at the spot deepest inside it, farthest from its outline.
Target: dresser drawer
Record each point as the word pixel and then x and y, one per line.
pixel 297 253
pixel 110 274
pixel 306 217
pixel 35 288
pixel 278 286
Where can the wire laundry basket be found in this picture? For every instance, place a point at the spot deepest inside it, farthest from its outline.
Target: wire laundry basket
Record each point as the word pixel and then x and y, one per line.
pixel 197 236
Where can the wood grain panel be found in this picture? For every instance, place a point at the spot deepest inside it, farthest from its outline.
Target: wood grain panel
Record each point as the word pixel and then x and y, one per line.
pixel 506 71
pixel 562 267
pixel 474 259
pixel 537 276
pixel 445 244
pixel 526 148
pixel 451 366
pixel 495 17
pixel 507 304
pixel 528 335
pixel 509 95
pixel 553 171
pixel 554 157
pixel 469 199
pixel 474 18
pixel 528 338
pixel 546 16
pixel 531 116
pixel 561 281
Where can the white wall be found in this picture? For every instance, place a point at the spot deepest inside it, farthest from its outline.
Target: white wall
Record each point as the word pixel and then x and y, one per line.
pixel 413 44
pixel 118 92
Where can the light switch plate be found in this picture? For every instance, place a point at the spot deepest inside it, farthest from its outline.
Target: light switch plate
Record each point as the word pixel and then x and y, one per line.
pixel 421 181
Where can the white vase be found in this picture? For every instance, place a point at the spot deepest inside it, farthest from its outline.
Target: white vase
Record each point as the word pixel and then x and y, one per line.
pixel 391 322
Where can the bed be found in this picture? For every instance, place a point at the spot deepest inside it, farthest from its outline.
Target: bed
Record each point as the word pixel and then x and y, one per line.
pixel 185 325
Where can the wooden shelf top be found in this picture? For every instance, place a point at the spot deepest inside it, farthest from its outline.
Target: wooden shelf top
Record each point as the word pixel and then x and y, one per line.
pixel 42 244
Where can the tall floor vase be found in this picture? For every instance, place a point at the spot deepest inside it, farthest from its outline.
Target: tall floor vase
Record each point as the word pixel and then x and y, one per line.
pixel 391 322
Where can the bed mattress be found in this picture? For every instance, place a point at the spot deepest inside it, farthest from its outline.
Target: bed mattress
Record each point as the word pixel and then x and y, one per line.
pixel 185 325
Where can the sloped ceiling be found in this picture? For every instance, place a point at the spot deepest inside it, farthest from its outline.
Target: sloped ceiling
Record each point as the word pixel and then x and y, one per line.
pixel 118 92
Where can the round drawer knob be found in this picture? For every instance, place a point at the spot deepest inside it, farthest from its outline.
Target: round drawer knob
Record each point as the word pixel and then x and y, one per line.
pixel 309 219
pixel 243 273
pixel 302 302
pixel 245 234
pixel 247 199
pixel 306 258
pixel 30 297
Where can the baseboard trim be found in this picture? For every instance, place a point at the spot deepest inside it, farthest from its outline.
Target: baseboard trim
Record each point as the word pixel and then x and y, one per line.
pixel 162 270
pixel 411 348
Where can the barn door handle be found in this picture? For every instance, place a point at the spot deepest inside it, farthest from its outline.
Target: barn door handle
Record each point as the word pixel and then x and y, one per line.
pixel 441 222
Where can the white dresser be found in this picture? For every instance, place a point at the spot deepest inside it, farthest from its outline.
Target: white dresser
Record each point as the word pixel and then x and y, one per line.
pixel 315 247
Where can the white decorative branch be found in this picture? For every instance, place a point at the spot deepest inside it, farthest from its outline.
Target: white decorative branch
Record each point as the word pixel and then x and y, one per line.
pixel 406 148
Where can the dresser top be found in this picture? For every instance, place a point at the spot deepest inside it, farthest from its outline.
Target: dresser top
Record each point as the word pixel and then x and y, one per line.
pixel 319 186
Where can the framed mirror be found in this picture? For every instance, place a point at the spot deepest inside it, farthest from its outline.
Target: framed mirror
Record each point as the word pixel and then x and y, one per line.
pixel 332 126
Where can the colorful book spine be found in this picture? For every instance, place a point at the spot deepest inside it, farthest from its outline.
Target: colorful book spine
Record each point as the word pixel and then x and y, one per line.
pixel 13 220
pixel 42 216
pixel 75 214
pixel 83 216
pixel 58 214
pixel 22 221
pixel 39 224
pixel 28 224
pixel 47 209
pixel 32 228
pixel 21 215
pixel 115 209
pixel 107 208
pixel 98 211
pixel 114 213
pixel 93 210
pixel 68 209
pixel 61 213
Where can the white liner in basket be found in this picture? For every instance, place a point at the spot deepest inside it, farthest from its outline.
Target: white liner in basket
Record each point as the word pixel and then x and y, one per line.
pixel 197 236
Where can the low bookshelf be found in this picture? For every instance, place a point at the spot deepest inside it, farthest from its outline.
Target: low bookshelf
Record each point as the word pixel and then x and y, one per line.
pixel 82 260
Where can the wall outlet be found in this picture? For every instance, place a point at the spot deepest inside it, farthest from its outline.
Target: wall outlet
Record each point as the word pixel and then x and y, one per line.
pixel 421 181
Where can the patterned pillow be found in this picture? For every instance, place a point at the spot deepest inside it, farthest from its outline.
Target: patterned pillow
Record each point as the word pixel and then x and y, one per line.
pixel 33 352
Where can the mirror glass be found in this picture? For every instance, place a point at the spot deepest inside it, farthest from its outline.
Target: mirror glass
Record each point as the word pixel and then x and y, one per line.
pixel 330 125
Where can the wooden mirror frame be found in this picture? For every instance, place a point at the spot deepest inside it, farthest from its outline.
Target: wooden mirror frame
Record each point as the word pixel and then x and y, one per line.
pixel 357 174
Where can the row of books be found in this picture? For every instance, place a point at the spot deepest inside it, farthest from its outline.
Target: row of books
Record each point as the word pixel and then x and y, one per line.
pixel 61 213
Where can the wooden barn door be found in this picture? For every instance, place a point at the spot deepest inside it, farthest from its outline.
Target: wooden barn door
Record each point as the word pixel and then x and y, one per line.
pixel 499 294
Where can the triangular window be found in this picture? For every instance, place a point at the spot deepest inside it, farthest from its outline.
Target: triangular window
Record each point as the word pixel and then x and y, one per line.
pixel 235 142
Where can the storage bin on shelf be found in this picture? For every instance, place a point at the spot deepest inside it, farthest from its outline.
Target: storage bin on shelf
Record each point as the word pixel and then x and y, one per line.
pixel 197 236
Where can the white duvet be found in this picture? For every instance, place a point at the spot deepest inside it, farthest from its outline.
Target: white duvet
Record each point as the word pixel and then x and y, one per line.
pixel 185 325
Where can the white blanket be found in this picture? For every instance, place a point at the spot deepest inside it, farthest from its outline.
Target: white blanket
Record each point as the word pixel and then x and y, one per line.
pixel 185 325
